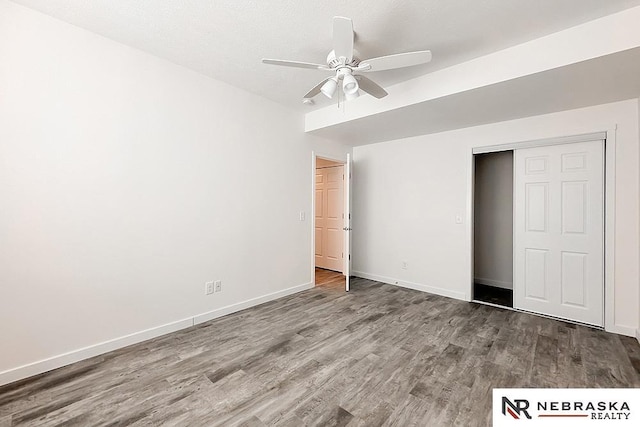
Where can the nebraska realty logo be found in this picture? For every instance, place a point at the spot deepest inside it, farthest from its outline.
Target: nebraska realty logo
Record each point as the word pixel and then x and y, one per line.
pixel 566 407
pixel 516 411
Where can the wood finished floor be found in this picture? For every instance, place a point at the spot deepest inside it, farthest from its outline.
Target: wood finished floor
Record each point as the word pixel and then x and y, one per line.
pixel 378 355
pixel 329 279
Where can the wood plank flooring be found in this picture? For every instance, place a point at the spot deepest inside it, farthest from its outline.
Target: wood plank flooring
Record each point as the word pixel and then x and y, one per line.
pixel 378 355
pixel 329 279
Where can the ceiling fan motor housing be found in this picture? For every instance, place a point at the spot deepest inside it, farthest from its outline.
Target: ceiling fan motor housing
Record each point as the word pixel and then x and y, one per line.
pixel 334 62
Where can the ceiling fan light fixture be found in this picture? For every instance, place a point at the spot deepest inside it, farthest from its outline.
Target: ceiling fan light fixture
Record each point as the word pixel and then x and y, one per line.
pixel 329 88
pixel 349 84
pixel 351 96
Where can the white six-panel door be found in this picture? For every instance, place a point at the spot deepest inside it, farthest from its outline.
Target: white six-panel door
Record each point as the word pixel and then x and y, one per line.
pixel 559 231
pixel 329 222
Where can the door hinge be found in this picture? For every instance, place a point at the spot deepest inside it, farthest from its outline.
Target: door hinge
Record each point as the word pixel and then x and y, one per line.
pixel 342 254
pixel 349 257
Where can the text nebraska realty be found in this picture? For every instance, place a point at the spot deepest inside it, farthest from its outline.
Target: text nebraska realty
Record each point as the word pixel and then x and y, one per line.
pixel 598 410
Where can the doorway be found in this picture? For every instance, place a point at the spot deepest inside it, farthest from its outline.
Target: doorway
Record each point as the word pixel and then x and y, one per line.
pixel 493 228
pixel 329 202
pixel 546 201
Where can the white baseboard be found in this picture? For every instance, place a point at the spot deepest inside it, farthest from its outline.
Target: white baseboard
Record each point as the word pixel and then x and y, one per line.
pixel 638 335
pixel 416 286
pixel 61 360
pixel 219 312
pixel 64 359
pixel 494 283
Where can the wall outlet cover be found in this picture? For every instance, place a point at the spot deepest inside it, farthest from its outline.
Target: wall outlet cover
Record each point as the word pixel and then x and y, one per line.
pixel 208 288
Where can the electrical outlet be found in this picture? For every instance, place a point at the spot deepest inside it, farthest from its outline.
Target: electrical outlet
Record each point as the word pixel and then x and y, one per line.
pixel 208 288
pixel 404 265
pixel 218 286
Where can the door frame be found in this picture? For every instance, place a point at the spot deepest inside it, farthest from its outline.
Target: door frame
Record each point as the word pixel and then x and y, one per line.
pixel 312 214
pixel 609 137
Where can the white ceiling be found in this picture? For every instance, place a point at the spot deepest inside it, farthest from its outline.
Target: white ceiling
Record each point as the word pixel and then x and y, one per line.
pixel 602 80
pixel 226 39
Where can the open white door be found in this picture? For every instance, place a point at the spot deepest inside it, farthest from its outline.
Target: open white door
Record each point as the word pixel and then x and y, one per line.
pixel 559 231
pixel 347 223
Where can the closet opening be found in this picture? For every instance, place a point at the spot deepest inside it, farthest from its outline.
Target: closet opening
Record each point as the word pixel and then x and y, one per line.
pixel 493 228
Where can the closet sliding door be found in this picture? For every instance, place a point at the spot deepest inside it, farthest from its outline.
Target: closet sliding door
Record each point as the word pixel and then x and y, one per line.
pixel 559 231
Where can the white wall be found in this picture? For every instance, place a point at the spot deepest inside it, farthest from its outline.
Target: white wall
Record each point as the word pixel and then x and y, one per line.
pixel 493 219
pixel 126 182
pixel 408 192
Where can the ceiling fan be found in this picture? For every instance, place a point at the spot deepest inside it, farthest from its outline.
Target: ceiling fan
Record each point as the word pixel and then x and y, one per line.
pixel 342 62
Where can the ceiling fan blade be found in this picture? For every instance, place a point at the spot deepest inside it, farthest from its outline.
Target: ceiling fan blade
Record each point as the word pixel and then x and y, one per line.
pixel 295 64
pixel 316 89
pixel 371 87
pixel 398 60
pixel 343 38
